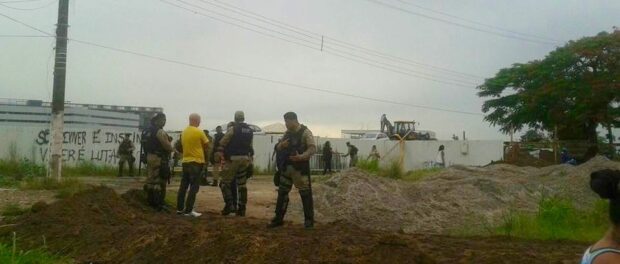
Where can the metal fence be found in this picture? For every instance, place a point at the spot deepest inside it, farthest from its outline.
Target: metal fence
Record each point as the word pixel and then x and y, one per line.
pixel 339 162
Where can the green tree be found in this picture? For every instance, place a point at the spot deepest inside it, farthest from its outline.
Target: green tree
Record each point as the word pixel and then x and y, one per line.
pixel 533 135
pixel 575 87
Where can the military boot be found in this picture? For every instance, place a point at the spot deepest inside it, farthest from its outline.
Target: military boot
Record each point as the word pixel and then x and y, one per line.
pixel 229 207
pixel 281 206
pixel 308 204
pixel 243 199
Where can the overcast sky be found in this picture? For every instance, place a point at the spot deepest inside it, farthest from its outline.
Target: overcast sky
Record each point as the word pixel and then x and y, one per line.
pixel 458 39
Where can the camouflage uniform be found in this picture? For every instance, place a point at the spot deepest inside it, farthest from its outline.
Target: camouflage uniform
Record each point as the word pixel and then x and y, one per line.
pixel 301 142
pixel 158 148
pixel 125 155
pixel 237 148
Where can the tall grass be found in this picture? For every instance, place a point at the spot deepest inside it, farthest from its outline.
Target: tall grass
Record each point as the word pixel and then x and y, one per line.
pixel 556 219
pixel 371 166
pixel 88 168
pixel 11 255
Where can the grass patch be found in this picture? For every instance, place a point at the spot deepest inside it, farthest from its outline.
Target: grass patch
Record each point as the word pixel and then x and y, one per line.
pixel 15 170
pixel 557 219
pixel 12 210
pixel 65 187
pixel 92 169
pixel 10 254
pixel 417 175
pixel 371 166
pixel 393 171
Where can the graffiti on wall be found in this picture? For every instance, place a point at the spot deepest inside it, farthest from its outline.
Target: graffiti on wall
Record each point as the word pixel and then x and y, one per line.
pixel 98 146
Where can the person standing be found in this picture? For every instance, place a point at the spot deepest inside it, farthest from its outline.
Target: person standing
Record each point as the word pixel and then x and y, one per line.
pixel 352 152
pixel 298 147
pixel 236 148
pixel 327 158
pixel 440 160
pixel 374 155
pixel 177 155
pixel 157 146
pixel 125 154
pixel 217 165
pixel 194 142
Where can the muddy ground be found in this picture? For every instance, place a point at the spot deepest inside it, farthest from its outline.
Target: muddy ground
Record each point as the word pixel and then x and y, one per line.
pixel 101 226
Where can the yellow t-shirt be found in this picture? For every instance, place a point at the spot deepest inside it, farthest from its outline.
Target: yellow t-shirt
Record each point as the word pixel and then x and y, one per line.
pixel 193 140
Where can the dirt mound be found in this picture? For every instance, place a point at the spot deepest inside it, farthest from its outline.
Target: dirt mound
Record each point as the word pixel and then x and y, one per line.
pixel 456 196
pixel 102 227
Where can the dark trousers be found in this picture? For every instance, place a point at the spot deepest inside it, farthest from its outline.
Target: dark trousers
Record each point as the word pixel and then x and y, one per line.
pixel 327 166
pixel 192 172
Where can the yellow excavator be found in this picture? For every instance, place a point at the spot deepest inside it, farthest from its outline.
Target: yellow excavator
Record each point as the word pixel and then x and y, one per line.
pixel 402 130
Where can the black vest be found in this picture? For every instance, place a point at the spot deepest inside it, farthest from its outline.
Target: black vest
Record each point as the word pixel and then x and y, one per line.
pixel 297 146
pixel 241 141
pixel 150 142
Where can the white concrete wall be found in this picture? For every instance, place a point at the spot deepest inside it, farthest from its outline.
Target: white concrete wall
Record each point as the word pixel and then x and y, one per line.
pixel 99 145
pixel 86 144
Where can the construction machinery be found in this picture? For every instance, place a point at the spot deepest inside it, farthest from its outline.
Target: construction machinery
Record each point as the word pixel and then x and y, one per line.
pixel 404 130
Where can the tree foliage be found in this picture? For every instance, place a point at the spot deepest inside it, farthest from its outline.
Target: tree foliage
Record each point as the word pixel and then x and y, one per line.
pixel 575 87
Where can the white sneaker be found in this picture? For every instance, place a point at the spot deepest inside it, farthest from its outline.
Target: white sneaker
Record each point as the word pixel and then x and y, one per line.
pixel 179 212
pixel 194 214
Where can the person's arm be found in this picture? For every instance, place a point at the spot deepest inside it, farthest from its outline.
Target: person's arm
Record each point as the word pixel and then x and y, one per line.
pixel 205 142
pixel 132 147
pixel 225 140
pixel 252 147
pixel 163 139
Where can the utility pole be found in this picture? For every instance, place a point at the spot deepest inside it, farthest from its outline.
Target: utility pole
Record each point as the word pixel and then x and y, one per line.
pixel 58 97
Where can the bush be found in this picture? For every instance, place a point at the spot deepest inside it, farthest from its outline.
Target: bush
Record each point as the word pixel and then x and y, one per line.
pixel 15 169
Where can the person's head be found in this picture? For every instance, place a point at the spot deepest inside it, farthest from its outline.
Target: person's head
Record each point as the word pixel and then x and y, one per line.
pixel 239 116
pixel 348 143
pixel 218 129
pixel 194 120
pixel 206 132
pixel 159 120
pixel 605 184
pixel 327 144
pixel 441 148
pixel 374 147
pixel 127 137
pixel 230 124
pixel 290 120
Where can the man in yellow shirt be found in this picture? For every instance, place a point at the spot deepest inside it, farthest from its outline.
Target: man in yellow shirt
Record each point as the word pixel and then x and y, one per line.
pixel 195 143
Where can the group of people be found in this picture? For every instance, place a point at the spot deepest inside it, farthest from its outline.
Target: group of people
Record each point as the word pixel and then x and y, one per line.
pixel 233 153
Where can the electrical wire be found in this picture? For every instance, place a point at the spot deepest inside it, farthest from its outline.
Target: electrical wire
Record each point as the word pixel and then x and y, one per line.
pixel 337 52
pixel 340 43
pixel 28 9
pixel 461 25
pixel 247 76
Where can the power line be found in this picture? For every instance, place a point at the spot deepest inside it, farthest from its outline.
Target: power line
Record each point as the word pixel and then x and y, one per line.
pixel 247 76
pixel 476 22
pixel 461 25
pixel 336 52
pixel 340 43
pixel 24 36
pixel 27 9
pixel 18 1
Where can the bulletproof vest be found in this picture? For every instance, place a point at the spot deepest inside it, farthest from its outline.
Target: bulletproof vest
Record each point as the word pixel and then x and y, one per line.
pixel 353 150
pixel 241 141
pixel 150 143
pixel 296 142
pixel 124 148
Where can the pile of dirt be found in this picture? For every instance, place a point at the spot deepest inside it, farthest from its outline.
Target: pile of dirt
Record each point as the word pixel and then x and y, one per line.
pixel 100 226
pixel 451 198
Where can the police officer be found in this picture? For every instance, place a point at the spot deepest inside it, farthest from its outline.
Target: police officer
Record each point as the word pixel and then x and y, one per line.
pixel 125 154
pixel 216 164
pixel 236 149
pixel 157 146
pixel 298 146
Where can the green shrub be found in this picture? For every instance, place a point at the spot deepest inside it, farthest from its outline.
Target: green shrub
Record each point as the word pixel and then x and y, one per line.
pixel 17 170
